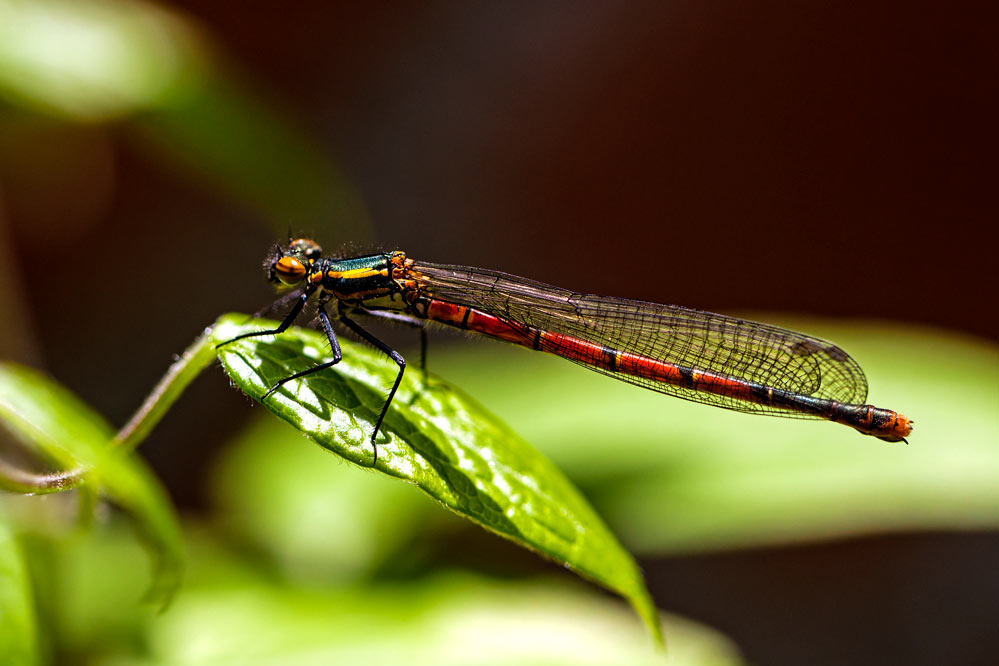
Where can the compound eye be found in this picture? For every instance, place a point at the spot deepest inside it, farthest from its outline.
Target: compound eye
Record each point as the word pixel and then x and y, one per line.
pixel 306 247
pixel 314 252
pixel 289 270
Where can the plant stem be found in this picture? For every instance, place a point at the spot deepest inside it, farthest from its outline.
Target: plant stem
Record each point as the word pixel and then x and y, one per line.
pixel 181 373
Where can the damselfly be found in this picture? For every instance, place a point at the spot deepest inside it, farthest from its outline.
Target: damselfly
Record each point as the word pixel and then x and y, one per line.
pixel 700 356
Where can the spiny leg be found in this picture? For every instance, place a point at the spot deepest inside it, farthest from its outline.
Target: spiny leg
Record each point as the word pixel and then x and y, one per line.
pixel 324 318
pixel 395 356
pixel 280 304
pixel 288 320
pixel 412 322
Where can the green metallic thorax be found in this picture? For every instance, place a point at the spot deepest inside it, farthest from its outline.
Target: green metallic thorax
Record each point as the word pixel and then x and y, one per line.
pixel 366 280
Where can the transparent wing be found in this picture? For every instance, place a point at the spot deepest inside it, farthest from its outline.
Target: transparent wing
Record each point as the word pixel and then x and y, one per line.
pixel 735 348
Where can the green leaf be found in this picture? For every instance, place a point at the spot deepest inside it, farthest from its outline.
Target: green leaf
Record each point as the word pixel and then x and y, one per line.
pixel 18 640
pixel 45 415
pixel 437 438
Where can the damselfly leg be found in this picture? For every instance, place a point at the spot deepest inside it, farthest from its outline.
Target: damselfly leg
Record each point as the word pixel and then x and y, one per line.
pixel 288 320
pixel 392 354
pixel 324 319
pixel 413 323
pixel 327 326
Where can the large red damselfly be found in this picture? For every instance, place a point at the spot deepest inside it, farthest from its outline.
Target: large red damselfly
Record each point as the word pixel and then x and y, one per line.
pixel 700 356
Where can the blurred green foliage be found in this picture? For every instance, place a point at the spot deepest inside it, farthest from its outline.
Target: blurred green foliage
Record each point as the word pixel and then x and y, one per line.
pixel 235 610
pixel 154 72
pixel 18 632
pixel 52 421
pixel 95 61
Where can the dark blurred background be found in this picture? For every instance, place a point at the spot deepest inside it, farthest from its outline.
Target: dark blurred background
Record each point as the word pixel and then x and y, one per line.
pixel 823 159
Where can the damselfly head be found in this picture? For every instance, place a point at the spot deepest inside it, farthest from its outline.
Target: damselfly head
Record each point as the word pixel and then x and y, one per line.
pixel 289 266
pixel 305 248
